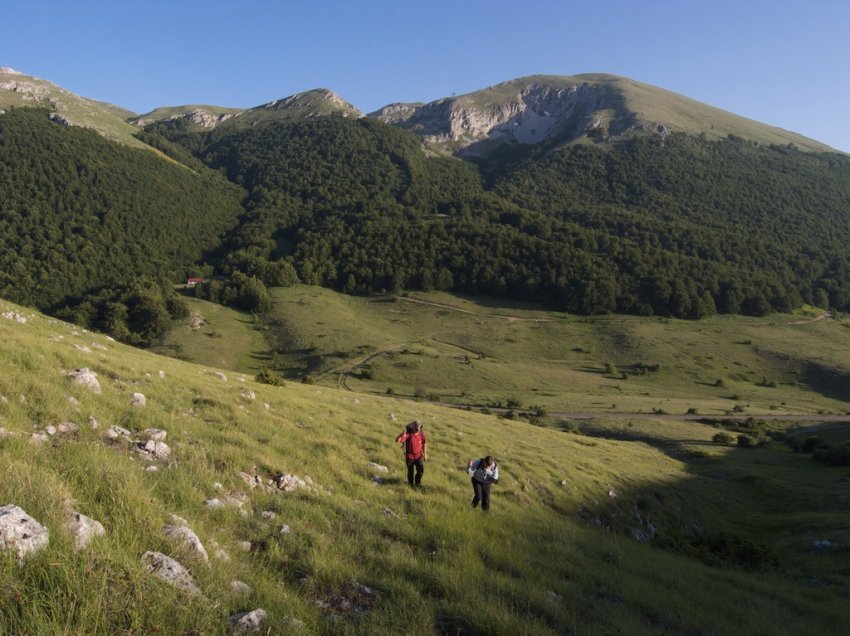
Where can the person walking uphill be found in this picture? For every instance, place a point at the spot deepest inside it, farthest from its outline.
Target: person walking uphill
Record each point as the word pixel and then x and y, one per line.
pixel 484 472
pixel 415 451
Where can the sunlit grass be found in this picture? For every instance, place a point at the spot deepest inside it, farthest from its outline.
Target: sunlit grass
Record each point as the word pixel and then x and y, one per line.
pixel 554 555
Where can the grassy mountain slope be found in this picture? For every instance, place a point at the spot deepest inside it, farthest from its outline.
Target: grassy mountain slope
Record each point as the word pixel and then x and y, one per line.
pixel 566 109
pixel 540 562
pixel 486 353
pixel 79 212
pixel 21 91
pixel 311 104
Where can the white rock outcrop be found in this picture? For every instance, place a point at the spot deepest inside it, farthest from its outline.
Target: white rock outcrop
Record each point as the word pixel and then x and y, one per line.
pixel 20 533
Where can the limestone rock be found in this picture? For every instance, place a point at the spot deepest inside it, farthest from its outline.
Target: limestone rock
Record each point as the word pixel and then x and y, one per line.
pixel 238 587
pixel 180 532
pixel 86 379
pixel 20 533
pixel 67 427
pixel 248 622
pixel 152 450
pixel 14 315
pixel 84 529
pixel 138 399
pixel 155 434
pixel 118 432
pixel 378 467
pixel 170 571
pixel 248 394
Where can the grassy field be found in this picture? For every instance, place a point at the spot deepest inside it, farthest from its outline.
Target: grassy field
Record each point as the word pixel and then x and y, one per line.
pixel 607 532
pixel 472 351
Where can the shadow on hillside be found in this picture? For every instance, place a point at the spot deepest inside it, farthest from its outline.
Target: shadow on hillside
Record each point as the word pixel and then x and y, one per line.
pixel 754 509
pixel 829 382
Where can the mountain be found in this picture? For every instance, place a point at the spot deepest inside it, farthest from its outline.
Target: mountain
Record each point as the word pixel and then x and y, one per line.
pixel 79 213
pixel 554 110
pixel 307 105
pixel 19 91
pixel 591 194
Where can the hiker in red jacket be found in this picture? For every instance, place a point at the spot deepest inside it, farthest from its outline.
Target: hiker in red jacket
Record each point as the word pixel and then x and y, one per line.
pixel 415 451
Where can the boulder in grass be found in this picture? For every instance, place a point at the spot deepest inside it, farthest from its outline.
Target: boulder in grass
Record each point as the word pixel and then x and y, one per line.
pixel 86 379
pixel 138 399
pixel 170 571
pixel 84 529
pixel 20 533
pixel 248 622
pixel 153 451
pixel 179 531
pixel 240 588
pixel 155 434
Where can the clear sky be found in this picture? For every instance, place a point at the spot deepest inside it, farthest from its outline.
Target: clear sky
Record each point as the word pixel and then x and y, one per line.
pixel 781 62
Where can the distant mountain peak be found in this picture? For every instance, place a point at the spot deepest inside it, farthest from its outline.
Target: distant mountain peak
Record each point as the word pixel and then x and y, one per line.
pixel 20 90
pixel 317 102
pixel 591 107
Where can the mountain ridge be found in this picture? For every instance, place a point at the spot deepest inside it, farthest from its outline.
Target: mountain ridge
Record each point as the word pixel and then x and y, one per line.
pixel 548 109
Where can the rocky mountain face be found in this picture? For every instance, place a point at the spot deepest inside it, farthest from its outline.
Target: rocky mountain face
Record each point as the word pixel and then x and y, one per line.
pixel 528 111
pixel 18 91
pixel 307 105
pixel 202 116
pixel 561 110
pixel 554 110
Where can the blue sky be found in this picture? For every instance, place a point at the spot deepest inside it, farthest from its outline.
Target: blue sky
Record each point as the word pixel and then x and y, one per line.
pixel 781 62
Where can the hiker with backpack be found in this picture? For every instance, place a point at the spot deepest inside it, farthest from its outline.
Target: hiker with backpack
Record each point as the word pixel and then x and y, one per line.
pixel 415 451
pixel 484 472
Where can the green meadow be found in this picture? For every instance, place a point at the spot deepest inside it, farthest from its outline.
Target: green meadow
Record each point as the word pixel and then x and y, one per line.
pixel 450 349
pixel 618 526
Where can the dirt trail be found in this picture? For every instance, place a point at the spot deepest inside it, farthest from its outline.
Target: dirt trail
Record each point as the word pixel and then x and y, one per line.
pixel 507 317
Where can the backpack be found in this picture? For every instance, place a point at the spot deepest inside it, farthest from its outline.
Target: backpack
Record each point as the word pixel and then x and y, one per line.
pixel 414 445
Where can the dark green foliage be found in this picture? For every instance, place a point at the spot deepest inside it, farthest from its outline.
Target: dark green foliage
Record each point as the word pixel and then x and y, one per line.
pixel 674 226
pixel 678 226
pixel 137 314
pixel 79 213
pixel 833 455
pixel 240 291
pixel 268 376
pixel 722 438
pixel 719 549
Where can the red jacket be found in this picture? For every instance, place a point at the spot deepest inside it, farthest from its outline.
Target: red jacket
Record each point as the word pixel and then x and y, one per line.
pixel 414 444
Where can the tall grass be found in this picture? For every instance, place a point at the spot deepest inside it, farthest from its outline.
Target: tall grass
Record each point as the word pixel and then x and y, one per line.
pixel 553 555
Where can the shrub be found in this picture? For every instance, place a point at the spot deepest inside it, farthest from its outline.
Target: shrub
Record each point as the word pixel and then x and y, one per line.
pixel 722 438
pixel 308 379
pixel 809 444
pixel 833 455
pixel 747 441
pixel 268 376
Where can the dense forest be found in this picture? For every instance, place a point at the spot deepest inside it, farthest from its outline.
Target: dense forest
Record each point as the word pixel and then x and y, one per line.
pixel 670 225
pixel 675 226
pixel 80 214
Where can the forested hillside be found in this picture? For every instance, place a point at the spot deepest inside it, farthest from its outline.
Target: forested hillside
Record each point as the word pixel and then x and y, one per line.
pixel 79 213
pixel 675 225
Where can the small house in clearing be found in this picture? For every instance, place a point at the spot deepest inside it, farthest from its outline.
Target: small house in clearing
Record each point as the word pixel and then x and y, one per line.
pixel 195 281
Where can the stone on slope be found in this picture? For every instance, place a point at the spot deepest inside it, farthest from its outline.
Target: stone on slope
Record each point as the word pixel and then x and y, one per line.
pixel 138 399
pixel 20 533
pixel 84 529
pixel 248 622
pixel 86 379
pixel 179 531
pixel 170 571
